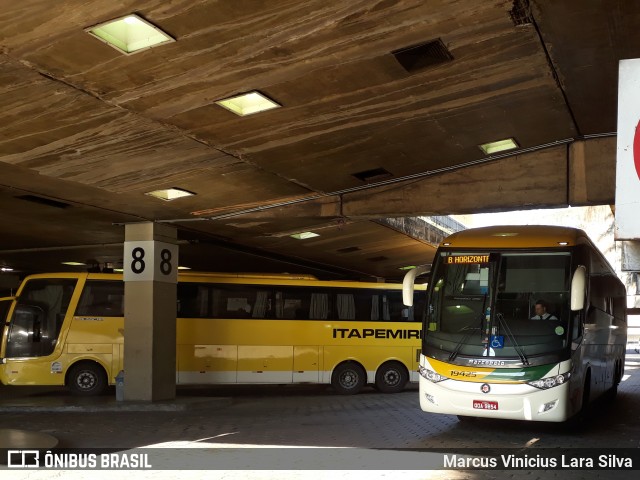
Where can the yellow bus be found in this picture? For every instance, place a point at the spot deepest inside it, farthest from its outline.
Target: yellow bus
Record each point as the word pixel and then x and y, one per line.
pixel 69 329
pixel 521 322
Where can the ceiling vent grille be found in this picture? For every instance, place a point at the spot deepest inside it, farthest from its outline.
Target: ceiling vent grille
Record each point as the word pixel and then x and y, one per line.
pixel 373 175
pixel 521 13
pixel 419 57
pixel 43 201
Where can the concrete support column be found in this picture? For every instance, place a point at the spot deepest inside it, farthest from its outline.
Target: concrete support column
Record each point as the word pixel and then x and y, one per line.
pixel 150 275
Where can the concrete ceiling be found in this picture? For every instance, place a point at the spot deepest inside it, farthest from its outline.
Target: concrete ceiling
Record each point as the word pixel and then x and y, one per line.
pixel 358 137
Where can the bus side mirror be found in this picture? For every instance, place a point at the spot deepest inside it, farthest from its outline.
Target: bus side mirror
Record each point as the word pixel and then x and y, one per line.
pixel 578 288
pixel 408 281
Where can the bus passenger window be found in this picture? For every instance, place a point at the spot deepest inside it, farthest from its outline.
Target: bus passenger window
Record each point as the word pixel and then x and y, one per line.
pixel 380 308
pixel 319 309
pixel 346 306
pixel 262 306
pixel 101 299
pixel 193 300
pixel 238 307
pixel 241 301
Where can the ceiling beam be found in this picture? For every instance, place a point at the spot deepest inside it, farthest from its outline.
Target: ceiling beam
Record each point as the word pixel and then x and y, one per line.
pixel 580 174
pixel 592 172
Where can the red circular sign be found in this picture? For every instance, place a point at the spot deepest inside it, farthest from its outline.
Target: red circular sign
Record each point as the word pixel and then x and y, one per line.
pixel 636 149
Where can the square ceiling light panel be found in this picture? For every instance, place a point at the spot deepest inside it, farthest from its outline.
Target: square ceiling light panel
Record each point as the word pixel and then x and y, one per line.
pixel 129 34
pixel 499 146
pixel 169 194
pixel 248 103
pixel 304 235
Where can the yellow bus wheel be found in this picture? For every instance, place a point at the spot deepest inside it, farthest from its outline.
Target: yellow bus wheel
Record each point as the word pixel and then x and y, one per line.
pixel 87 378
pixel 391 377
pixel 348 378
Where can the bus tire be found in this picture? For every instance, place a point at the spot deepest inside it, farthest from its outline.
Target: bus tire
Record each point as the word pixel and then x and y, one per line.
pixel 86 379
pixel 391 377
pixel 348 378
pixel 586 397
pixel 578 422
pixel 612 393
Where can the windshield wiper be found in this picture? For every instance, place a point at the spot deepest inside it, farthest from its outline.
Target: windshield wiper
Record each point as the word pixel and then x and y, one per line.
pixel 518 348
pixel 468 331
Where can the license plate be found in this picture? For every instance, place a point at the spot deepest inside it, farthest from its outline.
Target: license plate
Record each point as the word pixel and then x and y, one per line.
pixel 485 405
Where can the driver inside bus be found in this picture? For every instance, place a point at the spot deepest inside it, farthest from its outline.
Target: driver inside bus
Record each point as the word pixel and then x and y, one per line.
pixel 541 312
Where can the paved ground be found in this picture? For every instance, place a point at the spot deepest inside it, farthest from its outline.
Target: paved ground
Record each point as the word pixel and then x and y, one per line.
pixel 262 424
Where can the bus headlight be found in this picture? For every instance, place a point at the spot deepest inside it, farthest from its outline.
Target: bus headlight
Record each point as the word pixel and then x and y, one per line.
pixel 430 375
pixel 550 382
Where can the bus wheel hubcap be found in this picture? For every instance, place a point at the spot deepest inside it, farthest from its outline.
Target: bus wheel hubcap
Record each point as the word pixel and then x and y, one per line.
pixel 391 377
pixel 86 380
pixel 349 379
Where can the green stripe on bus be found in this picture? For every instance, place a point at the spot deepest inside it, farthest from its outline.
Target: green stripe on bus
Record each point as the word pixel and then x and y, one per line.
pixel 525 374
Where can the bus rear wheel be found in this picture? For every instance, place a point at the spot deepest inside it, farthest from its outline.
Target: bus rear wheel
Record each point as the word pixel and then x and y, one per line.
pixel 348 378
pixel 391 377
pixel 87 379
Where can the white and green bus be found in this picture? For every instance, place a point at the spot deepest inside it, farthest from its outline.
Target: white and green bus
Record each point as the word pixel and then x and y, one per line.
pixel 487 351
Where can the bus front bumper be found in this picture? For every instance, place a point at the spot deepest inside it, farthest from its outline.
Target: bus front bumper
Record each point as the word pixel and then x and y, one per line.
pixel 4 379
pixel 508 401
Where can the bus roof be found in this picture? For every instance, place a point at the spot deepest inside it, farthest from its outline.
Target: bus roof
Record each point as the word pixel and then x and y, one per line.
pixel 238 278
pixel 516 236
pixel 251 275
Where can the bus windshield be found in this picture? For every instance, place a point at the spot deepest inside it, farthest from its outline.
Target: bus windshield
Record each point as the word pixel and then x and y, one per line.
pixel 483 304
pixel 37 317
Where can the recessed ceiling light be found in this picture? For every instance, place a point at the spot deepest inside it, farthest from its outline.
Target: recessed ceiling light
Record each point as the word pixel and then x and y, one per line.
pixel 169 194
pixel 129 34
pixel 248 103
pixel 499 146
pixel 74 264
pixel 563 243
pixel 303 235
pixel 6 269
pixel 184 268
